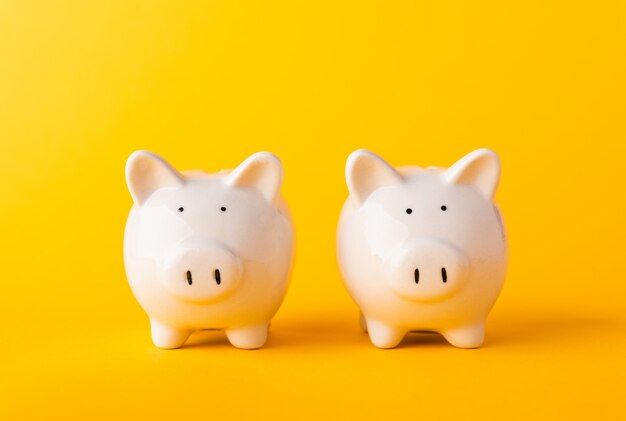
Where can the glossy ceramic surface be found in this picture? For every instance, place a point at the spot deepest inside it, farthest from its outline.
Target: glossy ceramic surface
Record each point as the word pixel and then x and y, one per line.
pixel 208 251
pixel 423 249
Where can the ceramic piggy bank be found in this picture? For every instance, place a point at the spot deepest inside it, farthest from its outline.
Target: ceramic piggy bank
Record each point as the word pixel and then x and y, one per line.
pixel 422 249
pixel 208 251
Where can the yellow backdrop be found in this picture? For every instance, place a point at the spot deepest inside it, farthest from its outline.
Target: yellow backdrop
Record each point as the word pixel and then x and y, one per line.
pixel 205 84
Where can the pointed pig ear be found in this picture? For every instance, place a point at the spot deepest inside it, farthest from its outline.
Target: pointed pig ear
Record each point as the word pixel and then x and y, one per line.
pixel 262 171
pixel 366 172
pixel 147 172
pixel 480 169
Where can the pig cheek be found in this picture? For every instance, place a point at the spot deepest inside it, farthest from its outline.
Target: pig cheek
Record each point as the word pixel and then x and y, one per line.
pixel 383 232
pixel 159 232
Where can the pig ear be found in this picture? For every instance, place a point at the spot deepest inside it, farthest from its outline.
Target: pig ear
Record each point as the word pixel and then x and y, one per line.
pixel 262 171
pixel 365 172
pixel 480 169
pixel 147 172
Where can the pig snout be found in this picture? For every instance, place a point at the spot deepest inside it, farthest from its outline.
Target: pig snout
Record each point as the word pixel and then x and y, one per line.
pixel 201 271
pixel 427 270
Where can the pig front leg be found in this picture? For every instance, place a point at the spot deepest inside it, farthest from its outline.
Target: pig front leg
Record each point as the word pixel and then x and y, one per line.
pixel 467 336
pixel 167 337
pixel 383 335
pixel 362 323
pixel 248 337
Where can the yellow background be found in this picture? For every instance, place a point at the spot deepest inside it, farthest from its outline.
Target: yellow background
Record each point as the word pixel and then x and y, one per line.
pixel 205 84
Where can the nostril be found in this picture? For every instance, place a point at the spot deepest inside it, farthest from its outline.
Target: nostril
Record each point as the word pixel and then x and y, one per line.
pixel 218 277
pixel 189 277
pixel 444 275
pixel 417 276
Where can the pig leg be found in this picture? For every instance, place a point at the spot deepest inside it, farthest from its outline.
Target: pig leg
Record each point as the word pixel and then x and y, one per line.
pixel 383 335
pixel 467 336
pixel 168 337
pixel 248 337
pixel 362 322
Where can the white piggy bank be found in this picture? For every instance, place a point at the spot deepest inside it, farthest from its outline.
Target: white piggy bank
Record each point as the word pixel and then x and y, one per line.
pixel 208 251
pixel 422 249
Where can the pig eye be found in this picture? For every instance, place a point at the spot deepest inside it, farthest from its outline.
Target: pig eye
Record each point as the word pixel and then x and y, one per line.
pixel 223 209
pixel 409 211
pixel 444 208
pixel 181 209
